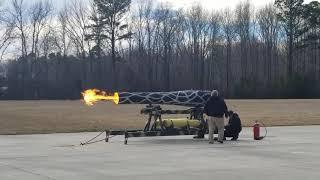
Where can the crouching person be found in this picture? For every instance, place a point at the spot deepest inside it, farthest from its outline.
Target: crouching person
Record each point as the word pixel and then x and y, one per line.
pixel 234 127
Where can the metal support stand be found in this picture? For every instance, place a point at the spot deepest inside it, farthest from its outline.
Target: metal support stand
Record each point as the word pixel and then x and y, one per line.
pixel 107 135
pixel 155 127
pixel 126 136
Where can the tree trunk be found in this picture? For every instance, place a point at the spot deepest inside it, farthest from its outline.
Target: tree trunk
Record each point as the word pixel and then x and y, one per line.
pixel 113 56
pixel 290 56
pixel 228 68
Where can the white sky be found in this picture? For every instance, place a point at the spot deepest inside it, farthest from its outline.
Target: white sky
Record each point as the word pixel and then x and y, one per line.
pixel 218 4
pixel 209 4
pixel 214 4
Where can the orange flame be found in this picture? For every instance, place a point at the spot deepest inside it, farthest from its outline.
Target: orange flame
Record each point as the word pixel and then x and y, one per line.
pixel 92 96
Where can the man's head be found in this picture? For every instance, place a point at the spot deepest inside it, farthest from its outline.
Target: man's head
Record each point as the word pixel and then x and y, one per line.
pixel 214 93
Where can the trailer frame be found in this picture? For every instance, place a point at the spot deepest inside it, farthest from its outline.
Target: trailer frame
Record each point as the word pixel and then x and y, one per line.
pixel 151 129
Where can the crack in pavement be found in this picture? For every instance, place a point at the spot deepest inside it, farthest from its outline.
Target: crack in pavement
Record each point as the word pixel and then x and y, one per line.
pixel 26 171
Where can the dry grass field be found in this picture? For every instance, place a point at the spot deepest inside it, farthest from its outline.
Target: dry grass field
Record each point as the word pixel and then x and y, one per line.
pixel 25 117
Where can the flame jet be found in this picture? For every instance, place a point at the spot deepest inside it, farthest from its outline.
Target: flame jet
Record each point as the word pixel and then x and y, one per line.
pixel 192 98
pixel 92 96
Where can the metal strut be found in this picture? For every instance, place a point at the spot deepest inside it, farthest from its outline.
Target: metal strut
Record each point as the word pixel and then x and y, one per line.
pixel 155 126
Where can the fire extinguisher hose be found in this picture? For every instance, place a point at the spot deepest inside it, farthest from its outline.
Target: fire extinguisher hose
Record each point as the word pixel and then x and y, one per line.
pixel 266 131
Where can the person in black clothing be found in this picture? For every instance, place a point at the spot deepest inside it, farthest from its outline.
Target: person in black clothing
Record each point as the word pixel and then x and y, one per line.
pixel 234 127
pixel 216 108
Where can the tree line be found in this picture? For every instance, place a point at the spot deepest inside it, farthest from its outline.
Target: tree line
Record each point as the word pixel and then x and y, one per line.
pixel 245 52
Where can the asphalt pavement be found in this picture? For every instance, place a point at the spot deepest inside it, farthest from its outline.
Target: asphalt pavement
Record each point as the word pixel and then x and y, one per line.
pixel 287 153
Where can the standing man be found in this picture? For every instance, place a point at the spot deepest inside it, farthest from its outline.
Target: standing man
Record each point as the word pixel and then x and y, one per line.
pixel 216 108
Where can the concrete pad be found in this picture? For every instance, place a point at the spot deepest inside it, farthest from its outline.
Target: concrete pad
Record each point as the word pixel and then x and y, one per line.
pixel 287 153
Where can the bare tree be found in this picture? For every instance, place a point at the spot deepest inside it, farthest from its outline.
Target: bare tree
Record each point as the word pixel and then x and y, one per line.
pixel 214 36
pixel 269 32
pixel 148 23
pixel 142 22
pixel 62 41
pixel 6 34
pixel 139 24
pixel 171 49
pixel 39 15
pixel 229 33
pixel 149 31
pixel 243 19
pixel 16 18
pixel 3 36
pixel 198 29
pixel 48 42
pixel 6 41
pixel 77 19
pixel 166 27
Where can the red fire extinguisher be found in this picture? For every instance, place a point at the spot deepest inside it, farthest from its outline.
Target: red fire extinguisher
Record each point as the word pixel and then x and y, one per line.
pixel 256 131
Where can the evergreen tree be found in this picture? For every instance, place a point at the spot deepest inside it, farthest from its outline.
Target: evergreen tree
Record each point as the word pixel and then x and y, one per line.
pixel 311 17
pixel 97 33
pixel 290 12
pixel 109 24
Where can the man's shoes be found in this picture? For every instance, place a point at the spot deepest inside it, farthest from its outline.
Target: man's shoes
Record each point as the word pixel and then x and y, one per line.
pixel 234 138
pixel 221 142
pixel 198 137
pixel 210 142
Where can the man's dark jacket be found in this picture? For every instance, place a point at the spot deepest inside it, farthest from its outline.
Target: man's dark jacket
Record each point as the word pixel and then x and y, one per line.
pixel 215 107
pixel 234 126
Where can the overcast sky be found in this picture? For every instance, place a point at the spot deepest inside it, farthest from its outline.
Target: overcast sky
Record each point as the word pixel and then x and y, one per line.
pixel 214 4
pixel 209 4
